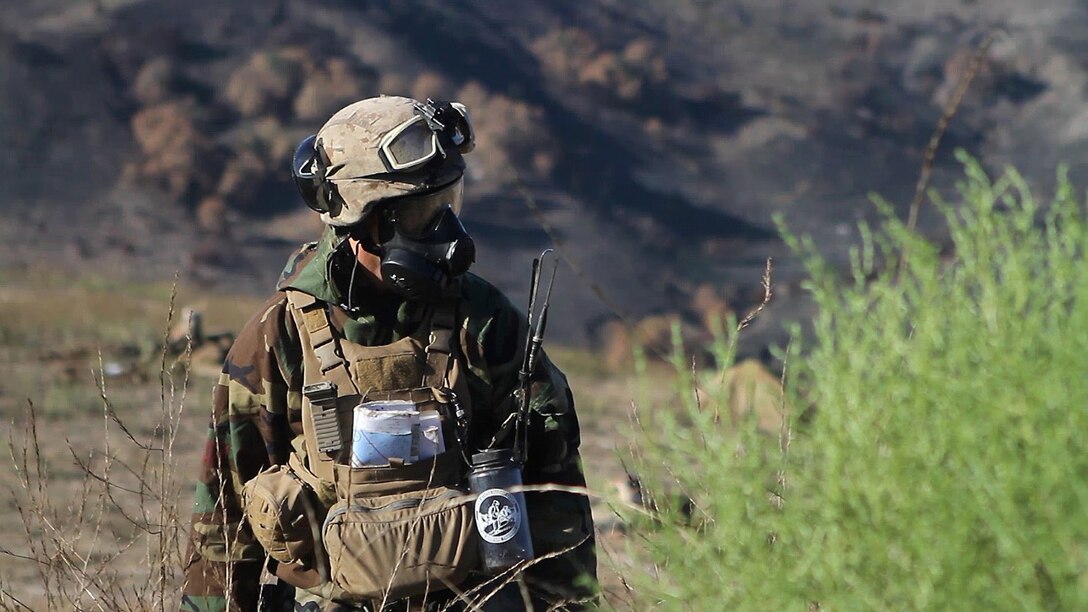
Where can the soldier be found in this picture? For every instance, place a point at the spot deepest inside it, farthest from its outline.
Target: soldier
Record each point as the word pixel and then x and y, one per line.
pixel 381 307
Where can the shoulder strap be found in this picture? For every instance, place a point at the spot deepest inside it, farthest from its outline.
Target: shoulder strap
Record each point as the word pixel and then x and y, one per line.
pixel 441 347
pixel 337 379
pixel 441 343
pixel 325 344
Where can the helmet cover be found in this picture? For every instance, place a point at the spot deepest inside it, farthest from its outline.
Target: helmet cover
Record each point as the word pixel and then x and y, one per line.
pixel 353 146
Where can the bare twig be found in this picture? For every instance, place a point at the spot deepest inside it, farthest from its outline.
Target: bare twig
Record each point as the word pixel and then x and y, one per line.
pixel 628 590
pixel 103 478
pixel 169 431
pixel 785 434
pixel 766 282
pixel 930 154
pixel 77 567
pixel 510 575
pixel 7 595
pixel 112 415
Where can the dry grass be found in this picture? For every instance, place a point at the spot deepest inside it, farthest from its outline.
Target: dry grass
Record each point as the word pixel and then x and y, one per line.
pixel 100 451
pixel 105 432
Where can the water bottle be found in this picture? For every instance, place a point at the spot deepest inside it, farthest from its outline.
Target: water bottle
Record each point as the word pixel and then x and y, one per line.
pixel 501 521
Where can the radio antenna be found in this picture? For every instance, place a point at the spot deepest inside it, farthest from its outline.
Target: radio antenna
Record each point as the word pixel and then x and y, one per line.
pixel 534 338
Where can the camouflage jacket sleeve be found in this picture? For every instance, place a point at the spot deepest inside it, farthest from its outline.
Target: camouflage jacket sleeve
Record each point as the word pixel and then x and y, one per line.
pixel 561 522
pixel 250 428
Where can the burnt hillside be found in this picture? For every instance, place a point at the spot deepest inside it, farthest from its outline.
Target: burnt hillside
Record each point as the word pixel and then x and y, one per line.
pixel 659 138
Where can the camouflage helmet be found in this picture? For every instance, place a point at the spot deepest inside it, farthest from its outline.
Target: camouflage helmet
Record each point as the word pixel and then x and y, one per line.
pixel 377 149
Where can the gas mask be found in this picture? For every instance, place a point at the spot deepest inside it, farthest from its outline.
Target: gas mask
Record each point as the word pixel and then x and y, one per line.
pixel 422 243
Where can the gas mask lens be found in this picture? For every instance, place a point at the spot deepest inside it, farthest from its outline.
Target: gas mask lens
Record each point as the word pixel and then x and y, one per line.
pixel 416 216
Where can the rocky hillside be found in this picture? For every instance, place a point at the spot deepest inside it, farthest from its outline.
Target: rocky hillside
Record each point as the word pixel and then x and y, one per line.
pixel 658 138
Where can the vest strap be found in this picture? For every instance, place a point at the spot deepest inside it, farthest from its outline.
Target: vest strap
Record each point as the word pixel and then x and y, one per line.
pixel 334 370
pixel 442 339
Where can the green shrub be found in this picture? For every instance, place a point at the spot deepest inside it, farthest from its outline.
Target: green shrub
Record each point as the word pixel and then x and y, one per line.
pixel 940 463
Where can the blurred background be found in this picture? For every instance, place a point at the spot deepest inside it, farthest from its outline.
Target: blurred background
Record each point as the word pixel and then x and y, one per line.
pixel 654 142
pixel 658 138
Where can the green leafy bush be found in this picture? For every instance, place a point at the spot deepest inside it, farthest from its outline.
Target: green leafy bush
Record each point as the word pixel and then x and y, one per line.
pixel 937 460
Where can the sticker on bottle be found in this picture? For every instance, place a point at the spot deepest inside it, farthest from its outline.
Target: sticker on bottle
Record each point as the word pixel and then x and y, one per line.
pixel 498 516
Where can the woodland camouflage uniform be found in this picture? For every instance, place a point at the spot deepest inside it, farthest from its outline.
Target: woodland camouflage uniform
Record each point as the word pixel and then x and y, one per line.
pixel 257 411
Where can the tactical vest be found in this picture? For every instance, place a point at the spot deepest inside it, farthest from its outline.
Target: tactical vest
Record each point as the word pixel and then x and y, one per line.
pixel 375 532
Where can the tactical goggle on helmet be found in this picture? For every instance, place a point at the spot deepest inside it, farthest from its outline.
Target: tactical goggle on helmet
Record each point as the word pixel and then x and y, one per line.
pixel 418 140
pixel 377 149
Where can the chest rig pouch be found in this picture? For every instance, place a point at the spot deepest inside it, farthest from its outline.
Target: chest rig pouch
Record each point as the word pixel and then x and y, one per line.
pixel 396 530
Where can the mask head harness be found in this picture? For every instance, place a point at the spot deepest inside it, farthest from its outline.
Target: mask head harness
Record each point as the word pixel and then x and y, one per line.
pixel 420 239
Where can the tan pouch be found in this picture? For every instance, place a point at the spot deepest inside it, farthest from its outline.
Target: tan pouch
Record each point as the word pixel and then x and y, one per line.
pixel 392 535
pixel 283 513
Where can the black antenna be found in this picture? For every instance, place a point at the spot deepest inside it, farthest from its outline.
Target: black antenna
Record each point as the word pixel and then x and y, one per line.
pixel 534 338
pixel 534 286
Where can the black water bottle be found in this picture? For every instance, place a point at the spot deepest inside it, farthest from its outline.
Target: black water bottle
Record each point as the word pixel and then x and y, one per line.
pixel 502 524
